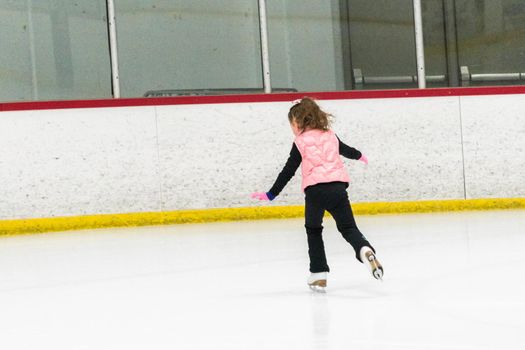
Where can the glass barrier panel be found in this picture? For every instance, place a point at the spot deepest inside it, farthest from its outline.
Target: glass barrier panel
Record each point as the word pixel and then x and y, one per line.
pixel 305 45
pixel 491 44
pixel 382 44
pixel 188 46
pixel 54 50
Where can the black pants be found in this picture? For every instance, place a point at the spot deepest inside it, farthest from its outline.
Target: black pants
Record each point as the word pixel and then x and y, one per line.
pixel 333 198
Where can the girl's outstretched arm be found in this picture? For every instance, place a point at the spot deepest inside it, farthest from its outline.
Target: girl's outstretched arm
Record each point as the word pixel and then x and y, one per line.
pixel 347 151
pixel 350 152
pixel 293 162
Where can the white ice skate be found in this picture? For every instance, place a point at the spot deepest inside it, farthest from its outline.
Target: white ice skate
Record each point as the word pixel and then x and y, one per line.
pixel 369 259
pixel 317 281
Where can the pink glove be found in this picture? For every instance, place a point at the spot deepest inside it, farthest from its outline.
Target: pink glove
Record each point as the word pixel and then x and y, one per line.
pixel 262 196
pixel 364 159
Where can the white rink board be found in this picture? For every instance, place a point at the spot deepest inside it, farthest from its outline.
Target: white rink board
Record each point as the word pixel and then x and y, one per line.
pixel 214 156
pixel 78 161
pixel 139 159
pixel 494 145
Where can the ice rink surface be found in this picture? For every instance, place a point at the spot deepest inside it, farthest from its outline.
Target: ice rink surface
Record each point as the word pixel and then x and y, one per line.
pixel 452 281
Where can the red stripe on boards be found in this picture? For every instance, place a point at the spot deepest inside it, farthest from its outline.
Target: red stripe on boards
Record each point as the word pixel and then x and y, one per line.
pixel 254 98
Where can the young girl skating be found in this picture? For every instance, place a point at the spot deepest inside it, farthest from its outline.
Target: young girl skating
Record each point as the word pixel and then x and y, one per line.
pixel 324 181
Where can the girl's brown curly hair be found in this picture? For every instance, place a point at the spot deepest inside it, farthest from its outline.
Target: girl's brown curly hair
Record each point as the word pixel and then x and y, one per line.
pixel 308 115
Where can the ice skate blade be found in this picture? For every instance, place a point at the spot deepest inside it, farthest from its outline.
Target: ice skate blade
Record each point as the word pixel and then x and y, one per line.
pixel 375 266
pixel 317 289
pixel 378 274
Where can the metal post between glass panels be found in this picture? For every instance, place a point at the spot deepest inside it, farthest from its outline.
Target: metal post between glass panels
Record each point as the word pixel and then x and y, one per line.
pixel 420 51
pixel 264 47
pixel 113 48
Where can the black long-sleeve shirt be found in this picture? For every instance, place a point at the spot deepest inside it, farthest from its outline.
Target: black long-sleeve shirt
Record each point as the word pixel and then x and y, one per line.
pixel 293 162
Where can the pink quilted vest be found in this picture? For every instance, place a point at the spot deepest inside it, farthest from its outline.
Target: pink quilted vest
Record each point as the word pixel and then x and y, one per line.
pixel 321 162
